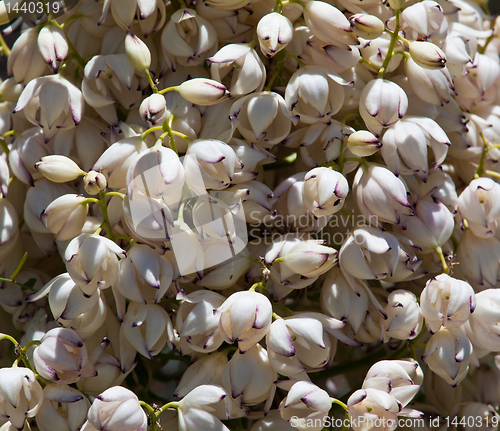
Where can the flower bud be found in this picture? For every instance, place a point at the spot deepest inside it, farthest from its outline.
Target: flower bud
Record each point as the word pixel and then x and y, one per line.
pixel 117 408
pixel 275 32
pixel 203 91
pixel 153 109
pixel 324 191
pixel 137 52
pixel 59 169
pixel 94 182
pixel 53 45
pixel 62 357
pixel 246 317
pixel 20 395
pixel 397 4
pixel 363 143
pixel 366 26
pixel 446 301
pixel 447 354
pixel 427 55
pixel 66 216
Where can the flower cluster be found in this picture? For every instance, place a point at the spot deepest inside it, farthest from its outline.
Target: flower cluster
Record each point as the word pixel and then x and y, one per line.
pixel 212 212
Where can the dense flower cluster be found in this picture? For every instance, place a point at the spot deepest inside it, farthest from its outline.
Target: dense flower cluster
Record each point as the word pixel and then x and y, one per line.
pixel 224 207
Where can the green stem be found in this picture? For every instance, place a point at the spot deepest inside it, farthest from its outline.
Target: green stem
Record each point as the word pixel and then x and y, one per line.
pixel 150 80
pixel 340 403
pixel 19 267
pixel 120 195
pixel 369 63
pixel 149 131
pixel 8 337
pixel 171 405
pixel 152 414
pixel 166 90
pixel 167 127
pixel 4 146
pixel 390 50
pixel 439 251
pixel 5 47
pixel 104 210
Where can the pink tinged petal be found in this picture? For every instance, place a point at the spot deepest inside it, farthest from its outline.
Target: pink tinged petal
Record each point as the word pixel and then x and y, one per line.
pixel 146 265
pixel 62 393
pixel 54 99
pixel 315 91
pixel 311 330
pixel 121 67
pixel 204 395
pixel 192 325
pixel 27 95
pixel 279 340
pixel 357 397
pixel 12 385
pixel 55 354
pixel 230 53
pixel 261 112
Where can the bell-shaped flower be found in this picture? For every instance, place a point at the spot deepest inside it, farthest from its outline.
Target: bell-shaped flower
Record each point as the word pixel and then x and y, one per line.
pixel 314 93
pixel 117 408
pixel 381 195
pixel 53 103
pixel 345 298
pixel 63 408
pixel 21 396
pixel 53 45
pixel 65 216
pixel 447 354
pixel 431 226
pixel 275 32
pixel 94 182
pixel 144 275
pixel 302 343
pixel 109 79
pixel 484 320
pixel 92 261
pixel 324 191
pixel 431 86
pixel 382 104
pixel 404 319
pixel 446 301
pixel 196 323
pixel 425 20
pixel 205 371
pixel 249 378
pixel 457 55
pixel 328 23
pixel 188 37
pixel 203 91
pixel 209 164
pixel 373 406
pixel 62 357
pixel 304 403
pixel 246 317
pixel 400 378
pixel 147 327
pixel 369 253
pixel 239 68
pixel 261 118
pixel 116 160
pixel 479 204
pixel 427 54
pixel 67 300
pixel 153 109
pixel 26 62
pixel 202 408
pixel 405 146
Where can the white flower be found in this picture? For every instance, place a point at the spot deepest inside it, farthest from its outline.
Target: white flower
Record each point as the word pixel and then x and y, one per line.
pixel 63 408
pixel 484 320
pixel 275 32
pixel 382 104
pixel 446 301
pixel 369 407
pixel 404 320
pixel 92 261
pixel 202 91
pixel 137 52
pixel 188 37
pixel 115 409
pixel 305 401
pixel 248 71
pixel 246 317
pixel 153 109
pixel 447 354
pixel 249 377
pixel 201 409
pixel 20 395
pixel 314 93
pixel 94 182
pixel 324 191
pixel 427 54
pixel 65 216
pixel 381 194
pixel 147 327
pixel 62 357
pixel 53 45
pixel 53 103
pixel 366 26
pixel 196 323
pixel 363 143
